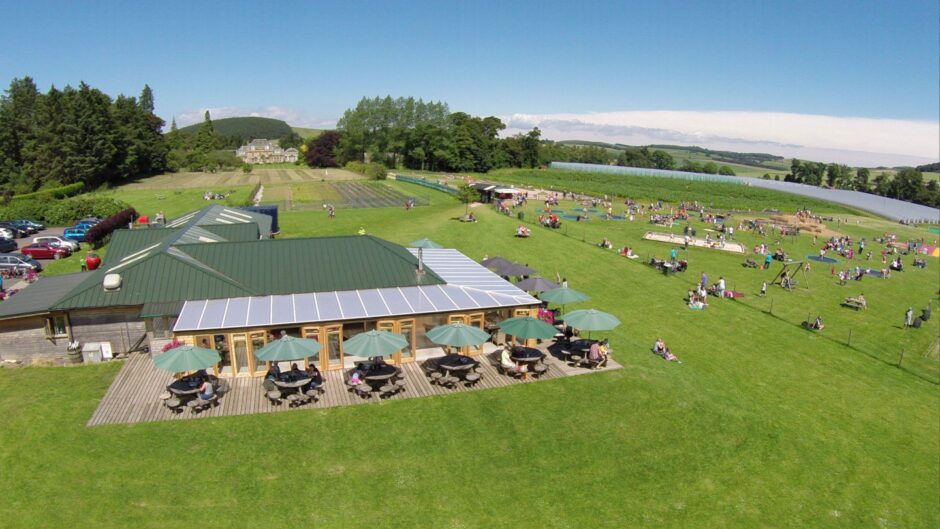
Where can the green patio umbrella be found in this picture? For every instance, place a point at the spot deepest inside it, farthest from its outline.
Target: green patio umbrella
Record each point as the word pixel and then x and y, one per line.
pixel 424 243
pixel 457 335
pixel 374 343
pixel 288 348
pixel 563 295
pixel 536 284
pixel 527 327
pixel 591 320
pixel 186 358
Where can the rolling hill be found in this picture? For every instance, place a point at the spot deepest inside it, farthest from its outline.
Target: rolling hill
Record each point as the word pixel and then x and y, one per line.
pixel 245 127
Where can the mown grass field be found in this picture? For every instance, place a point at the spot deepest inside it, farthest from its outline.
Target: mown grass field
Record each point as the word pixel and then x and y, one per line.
pixel 764 424
pixel 278 174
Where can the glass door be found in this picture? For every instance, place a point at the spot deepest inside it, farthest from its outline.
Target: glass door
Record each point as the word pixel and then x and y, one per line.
pixel 334 347
pixel 313 333
pixel 476 320
pixel 257 339
pixel 240 362
pixel 220 344
pixel 459 318
pixel 406 328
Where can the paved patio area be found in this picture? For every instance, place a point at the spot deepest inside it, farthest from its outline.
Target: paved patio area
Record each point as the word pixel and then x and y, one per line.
pixel 133 395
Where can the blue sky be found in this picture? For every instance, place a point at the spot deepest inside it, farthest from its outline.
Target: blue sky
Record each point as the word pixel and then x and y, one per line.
pixel 308 61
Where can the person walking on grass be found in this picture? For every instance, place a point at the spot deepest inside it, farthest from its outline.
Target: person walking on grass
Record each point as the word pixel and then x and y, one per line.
pixel 763 289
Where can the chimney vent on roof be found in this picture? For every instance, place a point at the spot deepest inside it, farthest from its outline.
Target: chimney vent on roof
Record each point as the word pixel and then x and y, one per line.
pixel 112 282
pixel 420 270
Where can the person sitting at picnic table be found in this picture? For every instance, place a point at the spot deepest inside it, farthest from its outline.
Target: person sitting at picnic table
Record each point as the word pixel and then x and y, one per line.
pixel 316 379
pixel 295 372
pixel 594 353
pixel 274 372
pixel 861 300
pixel 206 390
pixel 505 360
pixel 356 377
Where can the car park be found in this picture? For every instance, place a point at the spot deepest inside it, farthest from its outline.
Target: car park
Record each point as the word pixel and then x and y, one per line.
pixel 75 234
pixel 43 250
pixel 37 225
pixel 58 240
pixel 18 263
pixel 24 226
pixel 17 232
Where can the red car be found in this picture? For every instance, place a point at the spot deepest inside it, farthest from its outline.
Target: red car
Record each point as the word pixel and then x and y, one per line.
pixel 44 250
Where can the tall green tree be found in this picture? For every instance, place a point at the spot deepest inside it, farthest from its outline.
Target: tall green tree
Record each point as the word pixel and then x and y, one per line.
pixel 206 139
pixel 46 149
pixel 16 122
pixel 861 179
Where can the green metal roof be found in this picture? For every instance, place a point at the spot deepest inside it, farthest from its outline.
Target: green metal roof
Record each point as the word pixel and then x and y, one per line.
pixel 222 215
pixel 250 268
pixel 40 296
pixel 161 308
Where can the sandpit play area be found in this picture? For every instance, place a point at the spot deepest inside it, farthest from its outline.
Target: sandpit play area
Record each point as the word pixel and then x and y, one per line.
pixel 671 238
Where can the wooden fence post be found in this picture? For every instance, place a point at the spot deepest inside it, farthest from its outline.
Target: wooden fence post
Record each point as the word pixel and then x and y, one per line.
pixel 901 358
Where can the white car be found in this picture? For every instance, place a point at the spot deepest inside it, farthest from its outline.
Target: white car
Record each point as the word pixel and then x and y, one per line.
pixel 58 240
pixel 7 233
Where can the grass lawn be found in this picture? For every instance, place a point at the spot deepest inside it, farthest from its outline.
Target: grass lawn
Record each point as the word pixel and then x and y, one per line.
pixel 175 202
pixel 764 424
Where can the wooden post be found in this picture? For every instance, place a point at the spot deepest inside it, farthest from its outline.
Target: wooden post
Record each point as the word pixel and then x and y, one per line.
pixel 771 305
pixel 850 338
pixel 901 358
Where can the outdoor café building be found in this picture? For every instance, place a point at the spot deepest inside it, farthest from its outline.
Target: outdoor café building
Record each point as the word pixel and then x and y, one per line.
pixel 225 286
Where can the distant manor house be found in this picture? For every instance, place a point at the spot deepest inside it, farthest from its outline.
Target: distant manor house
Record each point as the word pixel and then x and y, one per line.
pixel 265 151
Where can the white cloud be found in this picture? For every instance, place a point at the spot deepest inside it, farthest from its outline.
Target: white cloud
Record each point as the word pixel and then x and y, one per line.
pixel 856 141
pixel 293 117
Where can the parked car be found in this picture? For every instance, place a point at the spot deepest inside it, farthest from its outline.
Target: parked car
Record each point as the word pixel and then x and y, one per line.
pixel 38 225
pixel 75 234
pixel 84 224
pixel 58 240
pixel 17 232
pixel 44 250
pixel 7 245
pixel 14 262
pixel 7 233
pixel 25 226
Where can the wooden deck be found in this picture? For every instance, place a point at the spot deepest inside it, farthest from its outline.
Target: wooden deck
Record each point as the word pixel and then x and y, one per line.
pixel 133 396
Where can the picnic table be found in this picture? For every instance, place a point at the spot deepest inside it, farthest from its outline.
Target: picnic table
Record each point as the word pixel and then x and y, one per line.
pixel 455 362
pixel 527 355
pixel 853 303
pixel 380 373
pixel 185 386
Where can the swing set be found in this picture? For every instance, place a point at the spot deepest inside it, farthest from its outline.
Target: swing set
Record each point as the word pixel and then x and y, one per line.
pixel 784 278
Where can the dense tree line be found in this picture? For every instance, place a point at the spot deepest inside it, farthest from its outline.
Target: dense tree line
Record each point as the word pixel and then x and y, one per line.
pixel 907 184
pixel 204 150
pixel 231 133
pixel 76 135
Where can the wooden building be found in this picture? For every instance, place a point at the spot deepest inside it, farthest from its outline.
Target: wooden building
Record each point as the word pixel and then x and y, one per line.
pixel 212 278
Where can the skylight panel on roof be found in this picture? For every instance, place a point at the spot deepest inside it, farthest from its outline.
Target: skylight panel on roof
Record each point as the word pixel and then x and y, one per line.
pixel 189 316
pixel 350 304
pixel 439 299
pixel 235 213
pixel 259 311
pixel 236 314
pixel 459 296
pixel 418 302
pixel 214 314
pixel 328 306
pixel 203 238
pixel 305 307
pixel 373 302
pixel 282 309
pixel 395 301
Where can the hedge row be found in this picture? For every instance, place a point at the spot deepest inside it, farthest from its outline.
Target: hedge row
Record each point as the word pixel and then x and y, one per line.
pixel 375 171
pixel 62 212
pixel 99 231
pixel 53 192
